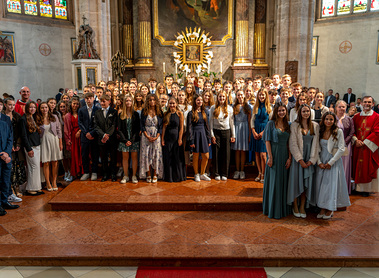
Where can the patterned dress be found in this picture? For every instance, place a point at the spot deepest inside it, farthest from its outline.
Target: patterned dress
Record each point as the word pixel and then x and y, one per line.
pixel 151 152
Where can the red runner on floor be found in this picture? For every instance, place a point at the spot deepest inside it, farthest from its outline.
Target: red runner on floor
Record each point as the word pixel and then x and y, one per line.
pixel 200 272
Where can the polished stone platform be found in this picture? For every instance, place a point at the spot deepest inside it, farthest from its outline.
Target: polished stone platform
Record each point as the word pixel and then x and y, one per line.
pixel 230 195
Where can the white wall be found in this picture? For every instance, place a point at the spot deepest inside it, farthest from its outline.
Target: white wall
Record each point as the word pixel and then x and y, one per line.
pixel 356 69
pixel 44 75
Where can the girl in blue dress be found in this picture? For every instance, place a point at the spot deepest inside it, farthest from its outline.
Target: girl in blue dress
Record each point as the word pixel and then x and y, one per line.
pixel 259 120
pixel 242 115
pixel 276 135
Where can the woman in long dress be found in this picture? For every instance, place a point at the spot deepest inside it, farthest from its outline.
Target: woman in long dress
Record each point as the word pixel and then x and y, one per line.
pixel 330 183
pixel 172 136
pixel 151 160
pixel 72 137
pixel 51 145
pixel 346 124
pixel 242 114
pixel 304 149
pixel 276 135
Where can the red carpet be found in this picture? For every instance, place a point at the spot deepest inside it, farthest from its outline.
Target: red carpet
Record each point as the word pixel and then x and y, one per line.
pixel 199 272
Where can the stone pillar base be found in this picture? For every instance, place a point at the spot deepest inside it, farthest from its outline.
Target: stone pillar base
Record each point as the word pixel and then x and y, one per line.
pixel 248 71
pixel 144 73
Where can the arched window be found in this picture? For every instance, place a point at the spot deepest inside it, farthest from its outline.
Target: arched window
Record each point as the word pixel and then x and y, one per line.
pixel 333 8
pixel 55 9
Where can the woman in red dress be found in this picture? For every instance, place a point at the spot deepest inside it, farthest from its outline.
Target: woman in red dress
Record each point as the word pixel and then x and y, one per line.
pixel 72 137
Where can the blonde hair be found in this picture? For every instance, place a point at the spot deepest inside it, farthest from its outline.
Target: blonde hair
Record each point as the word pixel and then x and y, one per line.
pixel 124 113
pixel 223 106
pixel 267 102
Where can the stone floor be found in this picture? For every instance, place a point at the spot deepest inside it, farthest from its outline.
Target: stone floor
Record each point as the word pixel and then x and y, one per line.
pixel 36 235
pixel 130 272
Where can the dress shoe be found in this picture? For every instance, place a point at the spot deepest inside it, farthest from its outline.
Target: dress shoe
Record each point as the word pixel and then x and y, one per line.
pixel 326 217
pixel 319 216
pixel 365 194
pixel 2 212
pixel 114 178
pixel 84 177
pixel 296 214
pixel 105 178
pixel 93 177
pixel 8 205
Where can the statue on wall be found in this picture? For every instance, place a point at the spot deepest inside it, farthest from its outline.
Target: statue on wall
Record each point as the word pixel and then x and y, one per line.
pixel 86 49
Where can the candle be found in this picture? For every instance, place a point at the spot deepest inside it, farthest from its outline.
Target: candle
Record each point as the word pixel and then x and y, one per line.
pixel 176 71
pixel 209 66
pixel 164 67
pixel 221 67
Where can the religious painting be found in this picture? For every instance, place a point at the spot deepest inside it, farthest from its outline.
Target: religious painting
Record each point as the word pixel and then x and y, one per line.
pixel 213 16
pixel 314 50
pixel 91 75
pixel 7 49
pixel 193 53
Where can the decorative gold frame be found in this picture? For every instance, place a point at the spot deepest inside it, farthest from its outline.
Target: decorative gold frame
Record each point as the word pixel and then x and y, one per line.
pixel 11 37
pixel 94 68
pixel 222 42
pixel 186 47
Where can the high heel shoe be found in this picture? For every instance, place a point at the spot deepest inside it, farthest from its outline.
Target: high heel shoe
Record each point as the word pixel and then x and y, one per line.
pixel 296 214
pixel 50 189
pixel 326 217
pixel 319 216
pixel 55 188
pixel 259 177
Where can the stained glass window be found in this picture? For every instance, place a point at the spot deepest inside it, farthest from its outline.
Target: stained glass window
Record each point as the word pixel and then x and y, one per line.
pixel 14 6
pixel 360 6
pixel 374 5
pixel 61 9
pixel 31 7
pixel 328 8
pixel 45 8
pixel 343 7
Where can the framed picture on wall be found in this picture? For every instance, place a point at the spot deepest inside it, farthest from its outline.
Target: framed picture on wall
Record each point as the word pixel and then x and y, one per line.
pixel 192 53
pixel 314 50
pixel 7 49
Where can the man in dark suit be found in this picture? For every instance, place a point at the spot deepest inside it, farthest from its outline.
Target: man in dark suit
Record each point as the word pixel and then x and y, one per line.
pixel 105 126
pixel 349 96
pixel 330 99
pixel 6 143
pixel 88 137
pixel 59 95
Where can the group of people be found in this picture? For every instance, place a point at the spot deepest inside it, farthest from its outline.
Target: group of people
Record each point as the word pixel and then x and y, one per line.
pixel 306 147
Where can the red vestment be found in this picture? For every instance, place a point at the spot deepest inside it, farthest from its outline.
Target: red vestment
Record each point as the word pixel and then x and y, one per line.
pixel 365 162
pixel 20 107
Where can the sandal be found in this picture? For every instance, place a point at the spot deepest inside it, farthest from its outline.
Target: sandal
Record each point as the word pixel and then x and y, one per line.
pixel 148 179
pixel 259 177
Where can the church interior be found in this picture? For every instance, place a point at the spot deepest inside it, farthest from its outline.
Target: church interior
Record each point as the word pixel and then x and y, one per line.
pixel 94 229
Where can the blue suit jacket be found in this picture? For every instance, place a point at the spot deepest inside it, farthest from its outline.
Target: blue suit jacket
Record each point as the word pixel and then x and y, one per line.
pixel 86 123
pixel 6 134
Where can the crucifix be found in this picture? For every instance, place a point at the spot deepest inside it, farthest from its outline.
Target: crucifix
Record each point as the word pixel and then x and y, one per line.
pixel 119 63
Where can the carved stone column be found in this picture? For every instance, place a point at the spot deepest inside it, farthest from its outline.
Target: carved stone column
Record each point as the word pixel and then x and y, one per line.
pixel 260 34
pixel 144 34
pixel 242 34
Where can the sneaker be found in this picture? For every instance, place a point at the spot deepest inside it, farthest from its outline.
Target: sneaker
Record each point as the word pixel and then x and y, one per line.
pixel 224 178
pixel 94 177
pixel 14 199
pixel 197 177
pixel 65 176
pixel 125 179
pixel 84 177
pixel 148 179
pixel 134 179
pixel 119 173
pixel 70 178
pixel 236 175
pixel 242 175
pixel 217 178
pixel 204 177
pixel 155 179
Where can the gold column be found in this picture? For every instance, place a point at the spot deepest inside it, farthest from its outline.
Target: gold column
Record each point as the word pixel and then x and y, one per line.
pixel 127 33
pixel 144 34
pixel 260 34
pixel 242 34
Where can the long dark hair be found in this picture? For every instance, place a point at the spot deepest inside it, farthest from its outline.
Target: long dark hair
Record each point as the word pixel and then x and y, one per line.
pixel 39 115
pixel 333 129
pixel 30 119
pixel 167 114
pixel 276 118
pixel 299 119
pixel 195 115
pixel 158 110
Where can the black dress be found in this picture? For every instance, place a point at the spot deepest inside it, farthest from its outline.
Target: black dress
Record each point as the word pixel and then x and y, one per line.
pixel 173 154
